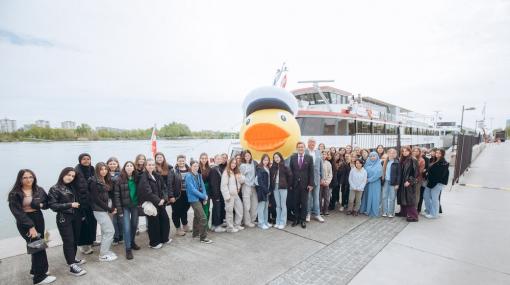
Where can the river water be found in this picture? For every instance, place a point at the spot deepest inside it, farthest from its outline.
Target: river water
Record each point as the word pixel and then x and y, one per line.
pixel 47 159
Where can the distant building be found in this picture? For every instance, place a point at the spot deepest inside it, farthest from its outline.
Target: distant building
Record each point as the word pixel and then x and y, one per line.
pixel 7 126
pixel 108 129
pixel 42 124
pixel 68 125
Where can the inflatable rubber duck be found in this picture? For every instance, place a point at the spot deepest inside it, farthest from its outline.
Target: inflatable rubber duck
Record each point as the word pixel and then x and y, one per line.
pixel 269 123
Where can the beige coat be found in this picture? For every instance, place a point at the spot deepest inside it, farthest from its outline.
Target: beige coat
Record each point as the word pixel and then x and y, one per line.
pixel 327 171
pixel 229 186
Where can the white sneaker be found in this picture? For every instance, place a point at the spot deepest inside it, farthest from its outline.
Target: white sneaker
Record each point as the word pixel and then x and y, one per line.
pixel 240 228
pixel 156 246
pixel 384 215
pixel 232 230
pixel 86 249
pixel 108 257
pixel 169 241
pixel 49 279
pixel 391 216
pixel 269 225
pixel 219 230
pixel 319 218
pixel 264 227
pixel 429 216
pixel 308 218
pixel 250 225
pixel 341 209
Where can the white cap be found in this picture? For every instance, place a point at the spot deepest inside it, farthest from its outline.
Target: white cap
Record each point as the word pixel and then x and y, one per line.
pixel 269 97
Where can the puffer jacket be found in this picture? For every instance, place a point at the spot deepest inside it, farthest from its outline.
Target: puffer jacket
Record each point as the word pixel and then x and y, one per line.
pixel 151 189
pixel 99 195
pixel 121 194
pixel 230 185
pixel 60 198
pixel 263 185
pixel 16 206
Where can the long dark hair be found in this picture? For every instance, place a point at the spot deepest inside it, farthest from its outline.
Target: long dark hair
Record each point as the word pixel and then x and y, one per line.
pixel 261 163
pixel 282 161
pixel 162 168
pixel 63 173
pixel 18 185
pixel 243 153
pixel 228 169
pixel 204 169
pixel 123 174
pixel 106 180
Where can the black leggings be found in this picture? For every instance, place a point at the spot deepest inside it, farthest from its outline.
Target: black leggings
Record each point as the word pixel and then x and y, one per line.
pixel 218 212
pixel 180 210
pixel 345 195
pixel 335 196
pixel 69 226
pixel 158 227
pixel 39 260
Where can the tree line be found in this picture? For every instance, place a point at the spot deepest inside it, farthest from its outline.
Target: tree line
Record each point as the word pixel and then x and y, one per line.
pixel 172 130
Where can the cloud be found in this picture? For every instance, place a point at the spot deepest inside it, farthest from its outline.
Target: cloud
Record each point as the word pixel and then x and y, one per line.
pixel 24 40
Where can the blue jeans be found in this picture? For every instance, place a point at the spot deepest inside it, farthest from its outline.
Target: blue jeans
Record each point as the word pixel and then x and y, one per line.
pixel 313 201
pixel 431 198
pixel 280 196
pixel 388 199
pixel 262 212
pixel 130 225
pixel 118 226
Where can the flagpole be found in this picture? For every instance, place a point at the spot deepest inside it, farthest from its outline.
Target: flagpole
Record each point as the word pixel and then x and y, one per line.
pixel 154 147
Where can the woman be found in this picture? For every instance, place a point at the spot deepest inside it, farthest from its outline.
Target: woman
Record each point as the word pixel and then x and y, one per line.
pixel 248 191
pixel 364 155
pixel 438 174
pixel 238 158
pixel 218 210
pixel 357 182
pixel 231 181
pixel 26 200
pixel 181 206
pixel 84 171
pixel 63 199
pixel 406 196
pixel 342 151
pixel 335 187
pixel 204 169
pixel 332 151
pixel 151 188
pixel 325 190
pixel 263 192
pixel 140 164
pixel 391 180
pixel 343 180
pixel 372 191
pixel 114 171
pixel 380 151
pixel 281 178
pixel 322 147
pixel 100 187
pixel 126 202
pixel 197 196
pixel 348 149
pixel 421 173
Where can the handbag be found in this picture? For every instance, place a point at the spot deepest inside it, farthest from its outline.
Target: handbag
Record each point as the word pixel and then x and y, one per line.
pixel 37 245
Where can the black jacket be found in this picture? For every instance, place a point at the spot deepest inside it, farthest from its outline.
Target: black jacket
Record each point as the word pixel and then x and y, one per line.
pixel 262 186
pixel 151 189
pixel 16 206
pixel 408 173
pixel 284 177
pixel 342 174
pixel 394 173
pixel 121 194
pixel 60 198
pixel 81 185
pixel 177 182
pixel 438 172
pixel 215 182
pixel 99 195
pixel 304 176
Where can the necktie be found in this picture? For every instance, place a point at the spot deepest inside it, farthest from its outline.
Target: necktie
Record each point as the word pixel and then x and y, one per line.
pixel 300 161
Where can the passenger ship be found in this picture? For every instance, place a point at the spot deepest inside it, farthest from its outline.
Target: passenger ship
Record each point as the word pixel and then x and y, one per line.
pixel 338 118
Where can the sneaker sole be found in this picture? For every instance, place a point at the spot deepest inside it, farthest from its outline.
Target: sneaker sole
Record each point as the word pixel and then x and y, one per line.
pixel 83 272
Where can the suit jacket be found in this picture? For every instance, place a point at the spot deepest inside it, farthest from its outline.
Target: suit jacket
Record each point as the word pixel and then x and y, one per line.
pixel 317 170
pixel 302 177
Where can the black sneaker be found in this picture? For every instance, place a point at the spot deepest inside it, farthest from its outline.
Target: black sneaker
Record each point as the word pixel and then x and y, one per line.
pixel 206 240
pixel 135 246
pixel 80 262
pixel 76 270
pixel 129 254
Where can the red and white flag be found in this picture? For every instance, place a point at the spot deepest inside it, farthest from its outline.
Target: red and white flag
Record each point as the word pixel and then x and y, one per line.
pixel 153 141
pixel 284 81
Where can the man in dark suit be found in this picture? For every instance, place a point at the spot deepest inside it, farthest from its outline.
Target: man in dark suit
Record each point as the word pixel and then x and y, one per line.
pixel 301 166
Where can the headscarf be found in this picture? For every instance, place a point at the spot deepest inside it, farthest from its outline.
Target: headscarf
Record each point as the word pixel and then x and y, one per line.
pixel 88 171
pixel 373 167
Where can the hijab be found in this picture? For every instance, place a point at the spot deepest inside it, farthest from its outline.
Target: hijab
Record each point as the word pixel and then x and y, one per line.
pixel 373 167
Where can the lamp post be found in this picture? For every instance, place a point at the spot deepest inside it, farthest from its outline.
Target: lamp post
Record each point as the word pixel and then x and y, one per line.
pixel 462 117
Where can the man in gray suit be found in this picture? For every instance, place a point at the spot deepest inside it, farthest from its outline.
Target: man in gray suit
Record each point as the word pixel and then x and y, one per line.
pixel 313 196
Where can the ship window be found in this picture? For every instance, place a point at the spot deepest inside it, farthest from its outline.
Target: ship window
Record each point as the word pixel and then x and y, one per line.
pixel 352 128
pixel 311 126
pixel 391 129
pixel 364 127
pixel 343 128
pixel 378 128
pixel 329 127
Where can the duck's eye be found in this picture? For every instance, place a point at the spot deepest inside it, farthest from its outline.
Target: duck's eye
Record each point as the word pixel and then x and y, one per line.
pixel 247 122
pixel 283 118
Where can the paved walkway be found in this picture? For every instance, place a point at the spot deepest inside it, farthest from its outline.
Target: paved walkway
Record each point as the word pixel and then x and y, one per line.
pixel 467 245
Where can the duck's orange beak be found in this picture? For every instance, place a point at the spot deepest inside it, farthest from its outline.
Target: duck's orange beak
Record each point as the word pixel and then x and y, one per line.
pixel 265 137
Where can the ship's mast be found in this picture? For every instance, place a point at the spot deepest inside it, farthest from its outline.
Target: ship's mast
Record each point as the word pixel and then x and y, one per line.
pixel 279 73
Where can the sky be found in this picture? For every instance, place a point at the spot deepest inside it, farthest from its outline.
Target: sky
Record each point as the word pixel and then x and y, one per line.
pixel 130 64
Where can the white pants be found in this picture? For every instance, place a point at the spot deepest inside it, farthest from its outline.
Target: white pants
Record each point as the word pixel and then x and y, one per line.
pixel 233 204
pixel 250 202
pixel 107 232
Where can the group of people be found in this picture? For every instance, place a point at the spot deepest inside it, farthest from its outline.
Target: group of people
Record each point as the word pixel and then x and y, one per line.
pixel 227 193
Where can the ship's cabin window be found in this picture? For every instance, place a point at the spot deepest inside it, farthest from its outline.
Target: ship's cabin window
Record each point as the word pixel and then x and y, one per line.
pixel 316 99
pixel 378 128
pixel 310 126
pixel 391 129
pixel 364 127
pixel 329 127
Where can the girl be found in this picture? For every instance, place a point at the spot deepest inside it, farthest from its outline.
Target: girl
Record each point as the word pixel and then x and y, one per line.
pixel 26 200
pixel 114 171
pixel 343 180
pixel 332 150
pixel 357 182
pixel 248 191
pixel 417 154
pixel 437 178
pixel 140 164
pixel 364 155
pixel 100 186
pixel 63 199
pixel 84 171
pixel 263 191
pixel 151 188
pixel 204 169
pixel 238 159
pixel 348 149
pixel 406 196
pixel 231 181
pixel 380 151
pixel 126 202
pixel 181 206
pixel 391 180
pixel 325 190
pixel 372 192
pixel 281 178
pixel 195 189
pixel 322 147
pixel 335 188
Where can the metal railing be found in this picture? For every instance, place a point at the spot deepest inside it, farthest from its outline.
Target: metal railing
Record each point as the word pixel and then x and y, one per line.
pixel 464 154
